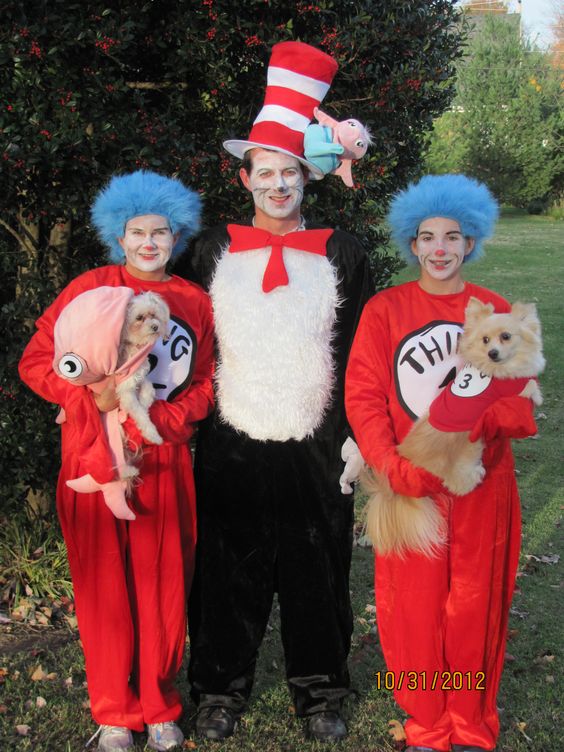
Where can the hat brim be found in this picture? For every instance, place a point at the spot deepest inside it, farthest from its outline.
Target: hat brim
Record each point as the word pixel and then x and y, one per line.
pixel 238 149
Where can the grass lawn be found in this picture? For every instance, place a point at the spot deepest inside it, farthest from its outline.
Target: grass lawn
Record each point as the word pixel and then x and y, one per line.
pixel 525 262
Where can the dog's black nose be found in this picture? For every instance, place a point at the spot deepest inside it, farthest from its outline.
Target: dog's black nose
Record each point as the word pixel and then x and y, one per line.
pixel 493 355
pixel 155 327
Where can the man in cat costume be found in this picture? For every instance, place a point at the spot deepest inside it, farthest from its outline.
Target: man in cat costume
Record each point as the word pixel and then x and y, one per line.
pixel 271 513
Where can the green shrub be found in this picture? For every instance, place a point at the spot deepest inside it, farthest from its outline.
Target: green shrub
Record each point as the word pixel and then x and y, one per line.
pixel 506 123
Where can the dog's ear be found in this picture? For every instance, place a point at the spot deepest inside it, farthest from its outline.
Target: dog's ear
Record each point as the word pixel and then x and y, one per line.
pixel 525 311
pixel 164 315
pixel 527 315
pixel 476 310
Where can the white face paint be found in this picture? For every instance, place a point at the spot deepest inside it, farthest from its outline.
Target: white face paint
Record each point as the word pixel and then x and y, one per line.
pixel 147 243
pixel 440 248
pixel 277 184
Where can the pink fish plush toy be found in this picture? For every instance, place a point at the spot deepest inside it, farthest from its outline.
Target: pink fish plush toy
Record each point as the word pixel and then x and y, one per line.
pixel 87 339
pixel 333 145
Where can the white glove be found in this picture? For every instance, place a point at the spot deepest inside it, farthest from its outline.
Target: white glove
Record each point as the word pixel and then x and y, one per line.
pixel 354 462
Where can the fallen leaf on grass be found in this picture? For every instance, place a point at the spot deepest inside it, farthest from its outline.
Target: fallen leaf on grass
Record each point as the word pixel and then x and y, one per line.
pixel 549 679
pixel 68 681
pixel 22 610
pixel 512 633
pixel 3 709
pixel 544 559
pixel 509 657
pixel 545 658
pixel 86 704
pixel 23 729
pixel 38 674
pixel 520 614
pixel 396 730
pixel 521 726
pixel 370 609
pixel 40 702
pixel 189 744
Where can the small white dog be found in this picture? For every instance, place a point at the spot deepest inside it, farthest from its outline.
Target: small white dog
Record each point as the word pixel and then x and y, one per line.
pixel 147 319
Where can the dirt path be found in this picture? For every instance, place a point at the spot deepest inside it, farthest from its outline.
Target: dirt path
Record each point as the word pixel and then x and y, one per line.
pixel 21 638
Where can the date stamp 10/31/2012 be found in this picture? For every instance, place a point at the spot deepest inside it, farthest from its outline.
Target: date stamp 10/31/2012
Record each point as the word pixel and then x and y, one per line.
pixel 442 681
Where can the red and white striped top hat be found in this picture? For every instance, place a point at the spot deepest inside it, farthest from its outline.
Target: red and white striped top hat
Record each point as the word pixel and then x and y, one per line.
pixel 298 78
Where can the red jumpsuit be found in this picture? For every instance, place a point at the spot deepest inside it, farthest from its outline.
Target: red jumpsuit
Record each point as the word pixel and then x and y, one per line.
pixel 131 578
pixel 436 616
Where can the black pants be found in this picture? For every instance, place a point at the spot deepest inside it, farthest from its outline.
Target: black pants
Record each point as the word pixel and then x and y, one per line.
pixel 271 517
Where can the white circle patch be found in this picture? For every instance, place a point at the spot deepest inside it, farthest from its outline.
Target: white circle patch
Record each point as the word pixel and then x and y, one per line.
pixel 470 382
pixel 172 362
pixel 426 361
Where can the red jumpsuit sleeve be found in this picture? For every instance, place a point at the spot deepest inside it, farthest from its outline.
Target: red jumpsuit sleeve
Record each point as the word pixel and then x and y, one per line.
pixel 36 370
pixel 368 383
pixel 175 420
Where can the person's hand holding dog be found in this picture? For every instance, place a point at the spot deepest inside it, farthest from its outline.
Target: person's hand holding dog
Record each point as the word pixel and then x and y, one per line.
pixel 108 399
pixel 408 480
pixel 506 418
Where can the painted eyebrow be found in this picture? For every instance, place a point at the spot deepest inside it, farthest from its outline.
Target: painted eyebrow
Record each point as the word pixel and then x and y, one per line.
pixel 430 232
pixel 157 229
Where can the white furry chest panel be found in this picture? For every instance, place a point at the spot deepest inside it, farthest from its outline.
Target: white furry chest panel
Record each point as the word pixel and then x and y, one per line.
pixel 275 372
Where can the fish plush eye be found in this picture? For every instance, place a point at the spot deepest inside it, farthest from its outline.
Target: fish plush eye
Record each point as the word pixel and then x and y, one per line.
pixel 359 143
pixel 485 340
pixel 351 123
pixel 70 366
pixel 505 336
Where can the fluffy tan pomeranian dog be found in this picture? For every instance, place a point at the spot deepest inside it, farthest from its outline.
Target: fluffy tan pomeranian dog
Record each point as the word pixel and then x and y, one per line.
pixel 147 319
pixel 503 354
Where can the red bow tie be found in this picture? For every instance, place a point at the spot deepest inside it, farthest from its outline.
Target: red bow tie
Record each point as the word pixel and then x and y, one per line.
pixel 244 238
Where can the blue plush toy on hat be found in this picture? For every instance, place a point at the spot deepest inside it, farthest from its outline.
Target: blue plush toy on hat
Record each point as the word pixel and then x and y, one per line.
pixel 140 193
pixel 456 197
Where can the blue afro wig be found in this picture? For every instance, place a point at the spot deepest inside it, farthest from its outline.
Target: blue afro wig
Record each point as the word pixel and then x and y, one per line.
pixel 139 193
pixel 452 196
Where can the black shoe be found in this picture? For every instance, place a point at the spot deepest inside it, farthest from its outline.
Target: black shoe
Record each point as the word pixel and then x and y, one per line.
pixel 216 723
pixel 327 726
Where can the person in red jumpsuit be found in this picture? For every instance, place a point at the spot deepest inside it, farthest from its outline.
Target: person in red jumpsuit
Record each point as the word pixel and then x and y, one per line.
pixel 442 620
pixel 131 579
